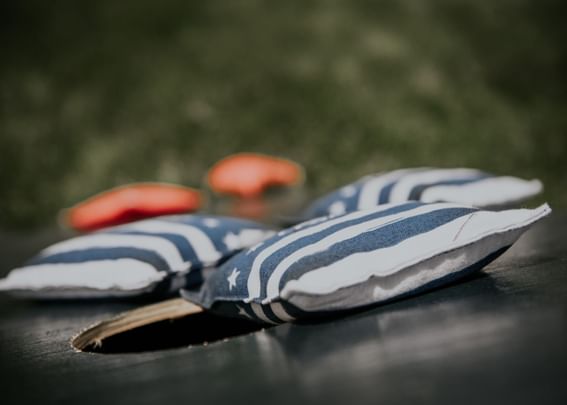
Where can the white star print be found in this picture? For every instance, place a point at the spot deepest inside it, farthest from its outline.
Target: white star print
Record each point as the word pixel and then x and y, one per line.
pixel 249 237
pixel 348 191
pixel 337 208
pixel 232 241
pixel 242 312
pixel 232 279
pixel 211 222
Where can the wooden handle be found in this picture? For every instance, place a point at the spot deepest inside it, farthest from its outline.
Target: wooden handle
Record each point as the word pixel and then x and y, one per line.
pixel 169 309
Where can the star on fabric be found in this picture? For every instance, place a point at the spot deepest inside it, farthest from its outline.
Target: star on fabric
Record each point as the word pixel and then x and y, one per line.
pixel 211 222
pixel 232 279
pixel 337 208
pixel 242 311
pixel 232 241
pixel 348 191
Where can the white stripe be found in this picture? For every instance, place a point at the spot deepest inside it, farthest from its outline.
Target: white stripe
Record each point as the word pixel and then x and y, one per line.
pixel 280 312
pixel 164 248
pixel 250 237
pixel 121 274
pixel 487 192
pixel 402 189
pixel 254 283
pixel 199 240
pixel 276 275
pixel 257 308
pixel 370 191
pixel 384 262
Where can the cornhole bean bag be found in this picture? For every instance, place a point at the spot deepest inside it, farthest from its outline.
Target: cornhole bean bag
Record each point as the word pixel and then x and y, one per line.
pixel 129 203
pixel 333 264
pixel 463 186
pixel 248 175
pixel 152 256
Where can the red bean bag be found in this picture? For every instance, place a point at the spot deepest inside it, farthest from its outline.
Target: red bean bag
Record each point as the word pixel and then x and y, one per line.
pixel 248 175
pixel 129 203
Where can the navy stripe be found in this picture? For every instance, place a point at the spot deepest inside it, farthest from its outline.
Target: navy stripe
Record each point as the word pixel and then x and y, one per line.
pixel 269 313
pixel 217 233
pixel 248 309
pixel 374 239
pixel 272 261
pixel 321 206
pixel 214 234
pixel 417 191
pixel 293 311
pixel 183 246
pixel 384 196
pixel 351 203
pixel 97 254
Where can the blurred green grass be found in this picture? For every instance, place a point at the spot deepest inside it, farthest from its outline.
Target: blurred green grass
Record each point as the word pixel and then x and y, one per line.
pixel 94 95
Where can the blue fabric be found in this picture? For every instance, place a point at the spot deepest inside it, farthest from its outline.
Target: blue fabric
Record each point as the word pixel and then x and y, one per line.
pixel 217 234
pixel 384 195
pixel 381 238
pixel 244 310
pixel 280 254
pixel 183 246
pixel 334 264
pixel 96 254
pixel 226 291
pixel 417 191
pixel 243 261
pixel 87 249
pixel 323 206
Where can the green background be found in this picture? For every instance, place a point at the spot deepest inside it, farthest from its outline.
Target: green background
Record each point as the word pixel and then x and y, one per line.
pixel 98 94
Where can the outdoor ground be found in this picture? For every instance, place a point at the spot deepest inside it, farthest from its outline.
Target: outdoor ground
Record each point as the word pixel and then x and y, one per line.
pixel 97 94
pixel 495 338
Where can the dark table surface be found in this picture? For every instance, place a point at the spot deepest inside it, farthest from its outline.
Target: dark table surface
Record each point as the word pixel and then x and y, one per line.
pixel 499 337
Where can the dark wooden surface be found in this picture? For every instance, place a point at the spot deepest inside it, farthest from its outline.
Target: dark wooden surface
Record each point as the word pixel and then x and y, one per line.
pixel 500 337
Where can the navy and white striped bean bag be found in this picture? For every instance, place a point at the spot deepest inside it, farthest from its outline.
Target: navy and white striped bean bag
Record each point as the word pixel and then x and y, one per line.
pixel 158 255
pixel 359 259
pixel 463 186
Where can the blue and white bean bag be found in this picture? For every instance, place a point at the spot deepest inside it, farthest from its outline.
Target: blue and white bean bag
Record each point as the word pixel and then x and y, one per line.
pixel 462 186
pixel 158 256
pixel 333 264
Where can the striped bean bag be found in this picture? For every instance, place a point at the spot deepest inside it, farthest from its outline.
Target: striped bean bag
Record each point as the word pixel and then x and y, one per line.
pixel 366 257
pixel 157 256
pixel 463 186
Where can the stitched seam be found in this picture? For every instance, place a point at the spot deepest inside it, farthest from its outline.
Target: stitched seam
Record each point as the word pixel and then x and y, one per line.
pixel 435 255
pixel 463 226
